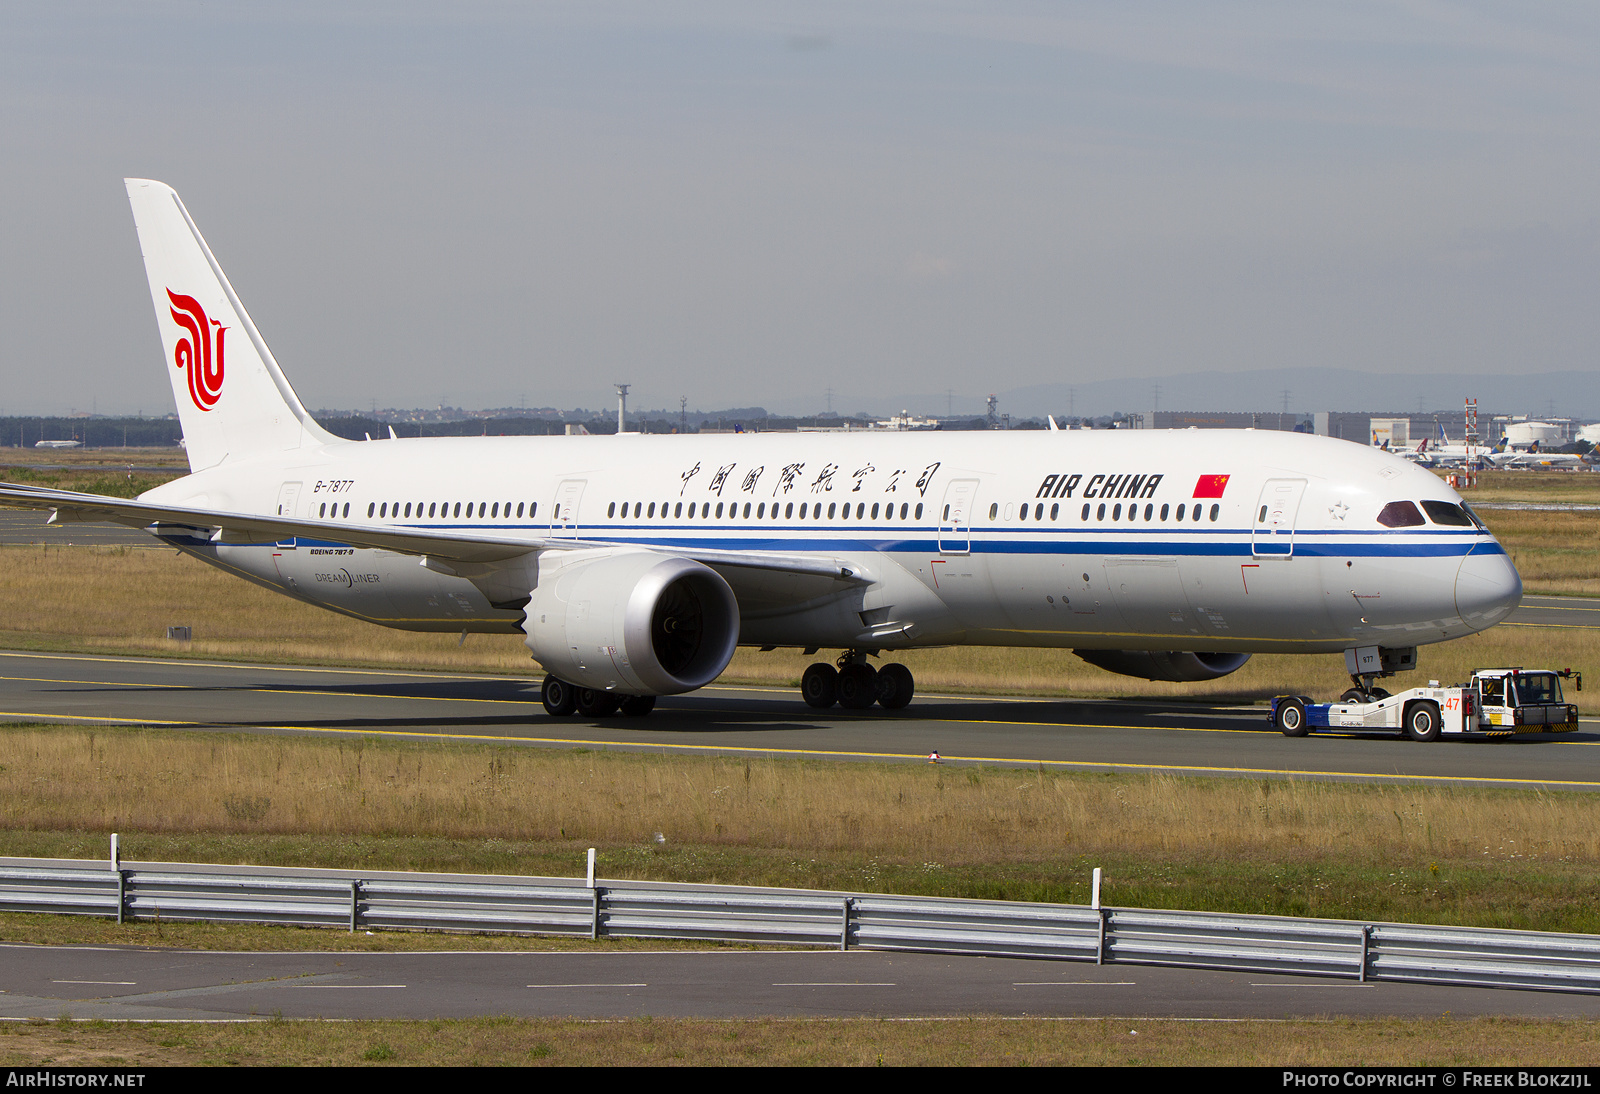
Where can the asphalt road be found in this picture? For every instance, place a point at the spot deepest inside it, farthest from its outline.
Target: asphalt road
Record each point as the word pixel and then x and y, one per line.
pixel 152 985
pixel 1189 738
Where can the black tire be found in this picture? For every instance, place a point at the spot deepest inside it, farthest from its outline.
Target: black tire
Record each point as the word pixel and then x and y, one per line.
pixel 895 686
pixel 594 703
pixel 820 686
pixel 560 698
pixel 1379 693
pixel 637 706
pixel 1422 722
pixel 1291 718
pixel 1354 695
pixel 858 687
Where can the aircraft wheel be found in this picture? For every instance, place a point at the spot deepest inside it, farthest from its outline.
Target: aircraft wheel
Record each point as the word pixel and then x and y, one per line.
pixel 820 686
pixel 858 686
pixel 895 686
pixel 1354 695
pixel 560 698
pixel 1422 722
pixel 637 706
pixel 1291 718
pixel 594 703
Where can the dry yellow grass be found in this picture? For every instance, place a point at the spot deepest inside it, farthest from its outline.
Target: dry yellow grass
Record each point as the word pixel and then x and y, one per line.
pixel 122 599
pixel 1555 552
pixel 800 1042
pixel 159 781
pixel 1535 486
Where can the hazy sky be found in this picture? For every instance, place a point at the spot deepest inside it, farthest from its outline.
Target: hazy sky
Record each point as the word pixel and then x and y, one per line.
pixel 745 203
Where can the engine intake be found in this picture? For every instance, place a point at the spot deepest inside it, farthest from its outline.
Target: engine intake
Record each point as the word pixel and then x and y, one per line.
pixel 1177 666
pixel 631 622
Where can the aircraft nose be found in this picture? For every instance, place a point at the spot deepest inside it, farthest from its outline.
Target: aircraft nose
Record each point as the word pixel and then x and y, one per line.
pixel 1488 587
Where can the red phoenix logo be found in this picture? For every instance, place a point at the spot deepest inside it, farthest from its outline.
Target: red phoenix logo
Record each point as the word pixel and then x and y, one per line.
pixel 195 353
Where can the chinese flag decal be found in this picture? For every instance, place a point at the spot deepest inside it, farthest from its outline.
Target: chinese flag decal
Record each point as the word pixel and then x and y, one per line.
pixel 1210 486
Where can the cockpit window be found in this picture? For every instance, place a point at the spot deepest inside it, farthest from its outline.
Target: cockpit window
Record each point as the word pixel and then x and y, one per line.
pixel 1443 512
pixel 1400 514
pixel 1482 527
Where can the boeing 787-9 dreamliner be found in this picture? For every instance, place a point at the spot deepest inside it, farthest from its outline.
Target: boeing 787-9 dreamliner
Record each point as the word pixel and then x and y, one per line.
pixel 635 565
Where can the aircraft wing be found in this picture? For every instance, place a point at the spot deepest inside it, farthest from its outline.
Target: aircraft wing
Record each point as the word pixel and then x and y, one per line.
pixel 454 545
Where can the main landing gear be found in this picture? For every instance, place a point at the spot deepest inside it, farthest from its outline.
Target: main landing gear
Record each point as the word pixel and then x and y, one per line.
pixel 562 699
pixel 856 685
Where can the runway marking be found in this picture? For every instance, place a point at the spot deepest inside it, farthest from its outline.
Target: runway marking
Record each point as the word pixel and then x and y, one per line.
pixel 833 754
pixel 835 984
pixel 1552 626
pixel 1094 765
pixel 114 983
pixel 1073 983
pixel 97 718
pixel 267 691
pixel 333 986
pixel 588 986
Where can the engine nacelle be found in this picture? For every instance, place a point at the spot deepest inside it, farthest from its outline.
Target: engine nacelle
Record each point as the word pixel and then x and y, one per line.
pixel 1177 666
pixel 631 622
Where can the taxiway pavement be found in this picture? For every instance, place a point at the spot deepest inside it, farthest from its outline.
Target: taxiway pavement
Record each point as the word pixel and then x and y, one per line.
pixel 1183 738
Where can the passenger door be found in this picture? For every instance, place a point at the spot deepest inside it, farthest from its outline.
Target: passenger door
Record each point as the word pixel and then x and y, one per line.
pixel 955 519
pixel 1272 523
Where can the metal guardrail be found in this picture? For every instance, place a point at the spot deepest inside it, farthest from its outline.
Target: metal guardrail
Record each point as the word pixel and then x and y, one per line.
pixel 558 906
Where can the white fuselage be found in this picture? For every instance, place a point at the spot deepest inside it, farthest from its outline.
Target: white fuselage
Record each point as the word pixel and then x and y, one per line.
pixel 1067 539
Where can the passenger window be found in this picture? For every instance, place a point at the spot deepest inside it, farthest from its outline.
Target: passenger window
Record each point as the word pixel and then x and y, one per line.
pixel 719 510
pixel 691 510
pixel 874 510
pixel 533 510
pixel 830 510
pixel 1055 511
pixel 1399 514
pixel 919 510
pixel 370 507
pixel 611 510
pixel 1100 513
pixel 677 510
pixel 1116 511
pixel 1148 510
pixel 347 509
pixel 1216 510
pixel 861 509
pixel 1164 512
pixel 1085 514
pixel 1022 512
pixel 652 511
pixel 1442 512
pixel 788 511
pixel 994 510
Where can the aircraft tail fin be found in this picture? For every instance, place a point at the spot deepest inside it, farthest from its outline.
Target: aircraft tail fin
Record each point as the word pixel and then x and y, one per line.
pixel 233 399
